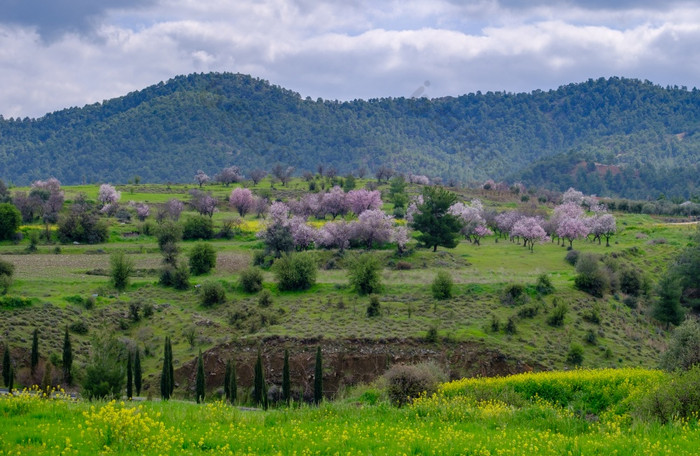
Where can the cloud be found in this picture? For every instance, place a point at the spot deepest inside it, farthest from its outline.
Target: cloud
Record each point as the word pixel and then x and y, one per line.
pixel 343 50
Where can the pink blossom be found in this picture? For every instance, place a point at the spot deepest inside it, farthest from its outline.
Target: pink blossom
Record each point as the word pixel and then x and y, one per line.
pixel 530 229
pixel 335 202
pixel 364 200
pixel 242 200
pixel 373 226
pixel 108 194
pixel 335 235
pixel 304 235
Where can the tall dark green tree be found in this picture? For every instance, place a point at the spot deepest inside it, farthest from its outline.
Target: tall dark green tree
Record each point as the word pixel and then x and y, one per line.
pixel 286 382
pixel 436 225
pixel 129 377
pixel 35 351
pixel 318 377
pixel 233 383
pixel 227 381
pixel 259 386
pixel 166 376
pixel 137 372
pixel 200 385
pixel 6 365
pixel 11 378
pixel 67 358
pixel 668 305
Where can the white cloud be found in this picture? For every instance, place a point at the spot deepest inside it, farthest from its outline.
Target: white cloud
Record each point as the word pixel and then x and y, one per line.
pixel 345 49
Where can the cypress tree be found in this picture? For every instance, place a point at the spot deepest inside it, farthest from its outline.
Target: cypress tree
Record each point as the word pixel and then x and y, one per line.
pixel 259 388
pixel 11 378
pixel 286 384
pixel 199 383
pixel 35 351
pixel 318 377
pixel 170 367
pixel 46 379
pixel 6 365
pixel 227 381
pixel 165 382
pixel 129 377
pixel 67 359
pixel 137 371
pixel 233 385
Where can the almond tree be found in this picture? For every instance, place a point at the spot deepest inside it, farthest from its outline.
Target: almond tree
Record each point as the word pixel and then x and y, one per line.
pixel 373 226
pixel 304 236
pixel 229 175
pixel 201 178
pixel 364 200
pixel 335 235
pixel 530 229
pixel 242 200
pixel 335 202
pixel 108 195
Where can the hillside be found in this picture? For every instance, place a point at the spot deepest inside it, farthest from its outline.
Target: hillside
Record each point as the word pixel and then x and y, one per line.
pixel 612 137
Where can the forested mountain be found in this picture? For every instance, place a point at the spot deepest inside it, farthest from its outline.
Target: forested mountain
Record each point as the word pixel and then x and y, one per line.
pixel 607 136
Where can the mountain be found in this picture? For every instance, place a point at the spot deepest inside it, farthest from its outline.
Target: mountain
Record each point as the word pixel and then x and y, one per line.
pixel 608 136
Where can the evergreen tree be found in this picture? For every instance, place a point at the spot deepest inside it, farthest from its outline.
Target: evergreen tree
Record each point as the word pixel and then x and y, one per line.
pixel 6 365
pixel 137 372
pixel 129 377
pixel 227 381
pixel 436 225
pixel 199 382
pixel 35 350
pixel 11 378
pixel 171 367
pixel 67 359
pixel 318 377
pixel 233 385
pixel 259 387
pixel 166 375
pixel 46 379
pixel 668 306
pixel 286 383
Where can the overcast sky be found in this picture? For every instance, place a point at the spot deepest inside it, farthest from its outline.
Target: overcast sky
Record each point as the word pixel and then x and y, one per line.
pixel 61 53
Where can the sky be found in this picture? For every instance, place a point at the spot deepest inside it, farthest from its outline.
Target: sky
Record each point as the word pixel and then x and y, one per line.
pixel 56 54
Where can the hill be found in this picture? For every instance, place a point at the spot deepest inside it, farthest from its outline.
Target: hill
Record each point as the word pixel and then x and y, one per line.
pixel 607 136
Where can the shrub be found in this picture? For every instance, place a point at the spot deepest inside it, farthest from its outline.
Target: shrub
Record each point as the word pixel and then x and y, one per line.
pixel 572 257
pixel 495 323
pixel 406 382
pixel 104 374
pixel 251 280
pixel 556 318
pixel 198 227
pixel 14 302
pixel 202 258
pixel 265 299
pixel 212 293
pixel 432 335
pixel 442 285
pixel 5 283
pixel 514 294
pixel 364 274
pixel 403 266
pixel 591 278
pixel 10 219
pixel 510 327
pixel 677 399
pixel 176 277
pixel 544 285
pixel 575 355
pixel 82 226
pixel 373 309
pixel 121 268
pixel 260 258
pixel 168 232
pixel 147 310
pixel 631 281
pixel 79 327
pixel 684 347
pixel 593 315
pixel 530 311
pixel 295 271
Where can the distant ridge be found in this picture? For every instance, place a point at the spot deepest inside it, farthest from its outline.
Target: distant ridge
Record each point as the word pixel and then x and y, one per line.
pixel 607 136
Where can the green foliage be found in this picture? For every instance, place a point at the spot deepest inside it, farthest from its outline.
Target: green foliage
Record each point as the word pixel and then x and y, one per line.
pixel 265 299
pixel 104 374
pixel 212 293
pixel 129 376
pixel 514 295
pixel 167 376
pixel 10 219
pixel 295 271
pixel 286 381
pixel 202 258
pixel 684 347
pixel 318 377
pixel 632 281
pixel 121 268
pixel 374 309
pixel 591 278
pixel 168 232
pixel 6 365
pixel 176 277
pixel 138 374
pixel 7 269
pixel 436 225
pixel 200 385
pixel 442 285
pixel 198 227
pixel 674 400
pixel 544 285
pixel 556 318
pixel 67 359
pixel 407 382
pixel 575 355
pixel 667 308
pixel 251 280
pixel 572 257
pixel 510 327
pixel 35 350
pixel 79 327
pixel 82 225
pixel 259 385
pixel 233 384
pixel 364 274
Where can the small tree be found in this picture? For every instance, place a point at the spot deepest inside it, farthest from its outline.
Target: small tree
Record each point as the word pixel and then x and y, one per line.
pixel 364 274
pixel 295 271
pixel 104 375
pixel 121 268
pixel 198 227
pixel 318 377
pixel 242 200
pixel 251 280
pixel 442 285
pixel 213 293
pixel 7 269
pixel 233 383
pixel 202 258
pixel 575 355
pixel 46 382
pixel 200 385
pixel 137 372
pixel 373 309
pixel 436 225
pixel 668 305
pixel 6 365
pixel 684 347
pixel 167 383
pixel 67 358
pixel 286 382
pixel 259 386
pixel 10 219
pixel 201 178
pixel 129 377
pixel 35 351
pixel 227 380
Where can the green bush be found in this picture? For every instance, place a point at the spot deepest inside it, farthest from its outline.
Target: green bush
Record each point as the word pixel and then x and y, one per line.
pixel 406 382
pixel 14 302
pixel 677 399
pixel 373 309
pixel 202 258
pixel 364 274
pixel 79 327
pixel 544 285
pixel 684 347
pixel 575 355
pixel 442 285
pixel 591 278
pixel 104 374
pixel 265 299
pixel 168 232
pixel 251 280
pixel 556 318
pixel 296 271
pixel 121 268
pixel 83 226
pixel 513 295
pixel 198 227
pixel 5 283
pixel 10 219
pixel 632 281
pixel 212 293
pixel 572 257
pixel 176 277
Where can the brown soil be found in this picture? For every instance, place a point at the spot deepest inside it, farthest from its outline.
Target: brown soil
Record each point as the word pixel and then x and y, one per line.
pixel 346 362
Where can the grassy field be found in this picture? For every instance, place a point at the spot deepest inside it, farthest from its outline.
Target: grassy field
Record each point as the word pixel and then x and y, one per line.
pixel 58 277
pixel 567 413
